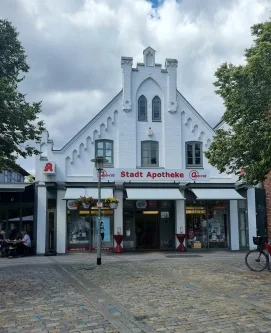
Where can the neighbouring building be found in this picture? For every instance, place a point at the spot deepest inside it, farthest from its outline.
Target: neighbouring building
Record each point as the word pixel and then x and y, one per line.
pixel 154 142
pixel 16 202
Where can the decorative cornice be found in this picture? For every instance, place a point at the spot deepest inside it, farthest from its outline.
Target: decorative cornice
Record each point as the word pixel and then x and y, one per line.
pixel 171 63
pixel 126 61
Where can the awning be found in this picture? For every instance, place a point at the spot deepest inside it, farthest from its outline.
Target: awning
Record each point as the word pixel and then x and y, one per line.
pixel 13 187
pixel 154 194
pixel 75 193
pixel 216 194
pixel 24 218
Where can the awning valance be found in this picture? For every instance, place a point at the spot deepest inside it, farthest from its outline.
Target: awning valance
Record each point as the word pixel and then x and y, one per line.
pixel 154 194
pixel 216 194
pixel 75 193
pixel 13 187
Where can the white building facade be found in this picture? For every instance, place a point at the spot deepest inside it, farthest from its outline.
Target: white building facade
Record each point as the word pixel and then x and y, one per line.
pixel 154 141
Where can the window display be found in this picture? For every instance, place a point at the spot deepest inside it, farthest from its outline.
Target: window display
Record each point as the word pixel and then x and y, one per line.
pixel 207 224
pixel 78 229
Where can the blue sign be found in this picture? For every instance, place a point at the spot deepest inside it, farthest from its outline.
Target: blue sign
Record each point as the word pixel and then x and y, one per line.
pixel 105 227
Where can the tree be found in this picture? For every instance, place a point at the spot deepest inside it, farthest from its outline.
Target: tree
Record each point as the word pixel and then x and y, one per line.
pixel 18 118
pixel 30 179
pixel 246 91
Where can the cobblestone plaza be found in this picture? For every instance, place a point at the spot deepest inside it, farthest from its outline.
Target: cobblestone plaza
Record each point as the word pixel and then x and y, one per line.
pixel 137 292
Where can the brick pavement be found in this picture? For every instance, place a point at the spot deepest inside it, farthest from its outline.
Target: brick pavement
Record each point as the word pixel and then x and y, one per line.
pixel 145 292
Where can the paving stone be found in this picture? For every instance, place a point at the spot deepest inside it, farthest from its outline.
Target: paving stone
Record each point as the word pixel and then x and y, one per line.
pixel 133 293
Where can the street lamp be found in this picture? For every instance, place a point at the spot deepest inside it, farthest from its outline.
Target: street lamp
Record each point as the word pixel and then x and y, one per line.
pixel 99 162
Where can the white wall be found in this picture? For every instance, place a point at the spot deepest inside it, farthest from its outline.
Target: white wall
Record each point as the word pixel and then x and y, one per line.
pixel 180 219
pixel 41 218
pixel 234 225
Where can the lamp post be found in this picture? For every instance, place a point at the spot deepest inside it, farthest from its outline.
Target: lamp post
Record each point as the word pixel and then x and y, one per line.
pixel 99 162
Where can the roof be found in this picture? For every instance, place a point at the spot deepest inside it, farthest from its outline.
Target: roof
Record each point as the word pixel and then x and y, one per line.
pixel 220 123
pixel 148 48
pixel 195 110
pixel 89 123
pixel 22 171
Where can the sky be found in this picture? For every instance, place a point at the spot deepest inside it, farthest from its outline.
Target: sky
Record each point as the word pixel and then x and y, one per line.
pixel 74 48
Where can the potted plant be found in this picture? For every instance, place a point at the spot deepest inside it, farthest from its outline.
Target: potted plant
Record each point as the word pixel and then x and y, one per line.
pixel 85 202
pixel 111 202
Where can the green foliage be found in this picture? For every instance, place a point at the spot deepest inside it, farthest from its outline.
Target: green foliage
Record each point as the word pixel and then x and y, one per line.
pixel 30 179
pixel 246 91
pixel 18 118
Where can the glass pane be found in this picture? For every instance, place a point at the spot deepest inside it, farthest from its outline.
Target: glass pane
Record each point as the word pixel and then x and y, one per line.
pixel 243 234
pixel 145 153
pixel 100 145
pixel 154 146
pixel 145 161
pixel 153 160
pixel 197 153
pixel 14 221
pixel 197 160
pixel 108 152
pixel 108 145
pixel 100 152
pixel 78 229
pixel 190 161
pixel 27 221
pixel 197 146
pixel 190 154
pixel 189 147
pixel 3 221
pixel 109 159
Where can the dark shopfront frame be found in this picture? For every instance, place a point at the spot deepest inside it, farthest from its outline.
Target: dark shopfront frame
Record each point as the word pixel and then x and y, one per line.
pixel 21 204
pixel 166 231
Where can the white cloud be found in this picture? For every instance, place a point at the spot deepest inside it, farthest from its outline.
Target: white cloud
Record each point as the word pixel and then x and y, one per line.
pixel 74 49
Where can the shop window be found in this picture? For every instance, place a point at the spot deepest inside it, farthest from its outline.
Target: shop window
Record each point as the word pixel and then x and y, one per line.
pixel 149 154
pixel 194 154
pixel 142 109
pixel 105 148
pixel 156 109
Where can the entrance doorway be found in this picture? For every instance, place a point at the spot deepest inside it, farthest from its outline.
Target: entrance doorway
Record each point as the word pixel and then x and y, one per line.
pixel 147 229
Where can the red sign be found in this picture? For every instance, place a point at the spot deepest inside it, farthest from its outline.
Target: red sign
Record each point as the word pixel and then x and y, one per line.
pixel 49 168
pixel 150 175
pixel 195 175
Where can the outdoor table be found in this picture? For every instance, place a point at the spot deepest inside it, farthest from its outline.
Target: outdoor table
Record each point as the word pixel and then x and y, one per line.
pixel 181 238
pixel 118 239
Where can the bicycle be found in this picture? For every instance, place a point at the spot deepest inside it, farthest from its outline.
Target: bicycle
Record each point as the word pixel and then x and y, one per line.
pixel 258 260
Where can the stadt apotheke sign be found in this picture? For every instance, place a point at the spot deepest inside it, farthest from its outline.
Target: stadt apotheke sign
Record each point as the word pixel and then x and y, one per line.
pixel 154 175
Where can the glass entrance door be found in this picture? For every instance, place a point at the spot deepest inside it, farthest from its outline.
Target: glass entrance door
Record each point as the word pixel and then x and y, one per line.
pixel 243 230
pixel 51 231
pixel 147 230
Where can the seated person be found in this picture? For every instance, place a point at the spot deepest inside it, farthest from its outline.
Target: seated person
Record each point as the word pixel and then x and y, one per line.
pixel 25 243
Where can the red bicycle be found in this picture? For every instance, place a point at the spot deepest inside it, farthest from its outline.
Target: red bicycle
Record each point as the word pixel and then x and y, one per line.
pixel 258 260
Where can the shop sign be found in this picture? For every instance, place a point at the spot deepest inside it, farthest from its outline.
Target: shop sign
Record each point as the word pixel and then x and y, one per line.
pixel 141 204
pixel 71 205
pixel 49 168
pixel 155 175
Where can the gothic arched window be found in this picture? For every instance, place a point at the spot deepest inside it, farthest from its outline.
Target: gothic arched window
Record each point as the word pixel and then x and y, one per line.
pixel 142 109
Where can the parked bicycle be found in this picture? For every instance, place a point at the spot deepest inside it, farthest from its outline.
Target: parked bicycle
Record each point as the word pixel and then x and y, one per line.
pixel 258 260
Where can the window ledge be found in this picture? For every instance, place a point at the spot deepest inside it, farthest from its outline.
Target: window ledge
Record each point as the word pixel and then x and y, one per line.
pixel 149 167
pixel 194 167
pixel 156 121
